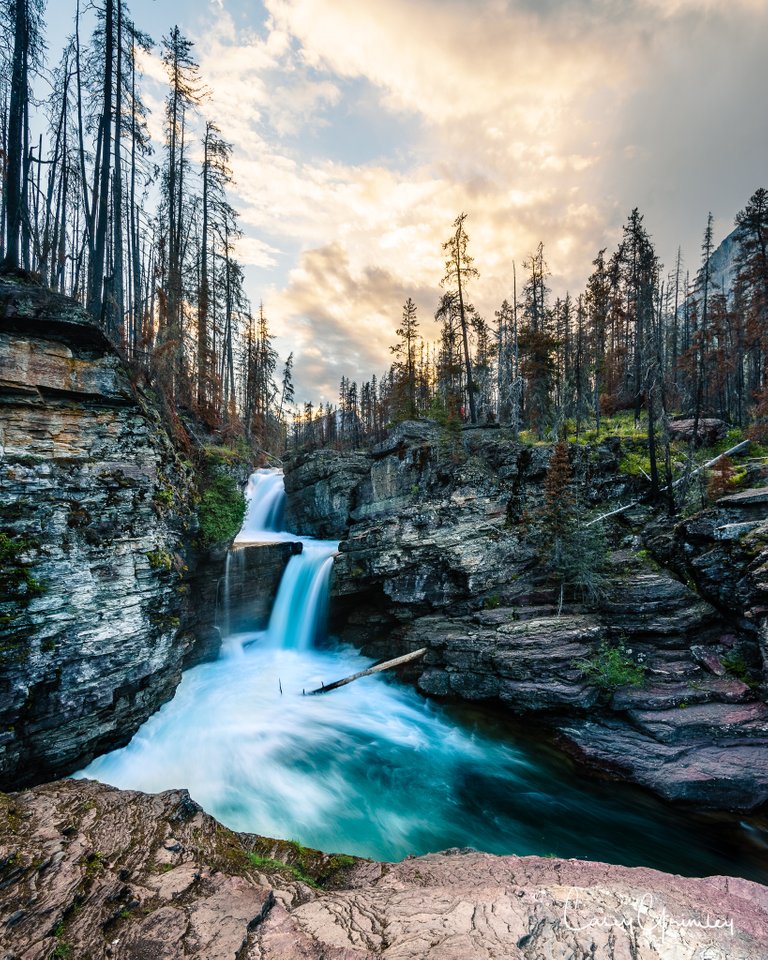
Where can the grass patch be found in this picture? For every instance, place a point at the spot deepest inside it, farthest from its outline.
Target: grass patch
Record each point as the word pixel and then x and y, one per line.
pixel 612 667
pixel 635 464
pixel 267 863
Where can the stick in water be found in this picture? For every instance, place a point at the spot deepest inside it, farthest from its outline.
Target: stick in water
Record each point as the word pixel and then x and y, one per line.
pixel 387 665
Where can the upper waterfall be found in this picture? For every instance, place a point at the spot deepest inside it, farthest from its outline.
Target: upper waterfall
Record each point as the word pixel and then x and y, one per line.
pixel 265 495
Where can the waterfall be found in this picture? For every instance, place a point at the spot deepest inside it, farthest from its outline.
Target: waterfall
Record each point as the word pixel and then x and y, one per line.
pixel 265 494
pixel 234 572
pixel 300 612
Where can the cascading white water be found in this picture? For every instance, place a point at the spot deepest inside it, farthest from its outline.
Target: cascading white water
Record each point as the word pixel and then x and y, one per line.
pixel 301 607
pixel 265 494
pixel 372 768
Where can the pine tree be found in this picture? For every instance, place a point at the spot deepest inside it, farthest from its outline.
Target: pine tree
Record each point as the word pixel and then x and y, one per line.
pixel 405 350
pixel 752 286
pixel 459 270
pixel 574 554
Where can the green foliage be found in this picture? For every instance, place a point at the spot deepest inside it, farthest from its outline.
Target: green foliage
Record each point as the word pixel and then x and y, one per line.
pixel 163 497
pixel 573 554
pixel 735 663
pixel 63 951
pixel 611 667
pixel 221 510
pixel 160 559
pixel 215 455
pixel 635 464
pixel 492 602
pixel 16 582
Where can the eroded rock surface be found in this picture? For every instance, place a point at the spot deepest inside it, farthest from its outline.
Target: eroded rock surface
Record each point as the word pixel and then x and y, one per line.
pixel 89 871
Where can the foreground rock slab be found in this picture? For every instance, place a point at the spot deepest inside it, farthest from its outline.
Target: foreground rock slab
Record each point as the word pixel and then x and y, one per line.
pixel 87 871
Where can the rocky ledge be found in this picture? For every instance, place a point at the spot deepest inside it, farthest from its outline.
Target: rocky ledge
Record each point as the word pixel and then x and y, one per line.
pixel 87 871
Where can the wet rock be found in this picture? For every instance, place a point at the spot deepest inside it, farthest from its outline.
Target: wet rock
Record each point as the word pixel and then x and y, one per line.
pixel 435 556
pixel 320 488
pixel 692 766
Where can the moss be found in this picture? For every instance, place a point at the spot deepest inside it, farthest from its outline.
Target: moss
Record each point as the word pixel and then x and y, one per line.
pixel 163 498
pixel 738 667
pixel 221 510
pixel 303 863
pixel 635 464
pixel 267 863
pixel 215 455
pixel 160 560
pixel 16 582
pixel 93 863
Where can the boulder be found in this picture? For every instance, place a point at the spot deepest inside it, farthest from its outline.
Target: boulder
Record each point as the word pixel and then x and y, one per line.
pixel 710 430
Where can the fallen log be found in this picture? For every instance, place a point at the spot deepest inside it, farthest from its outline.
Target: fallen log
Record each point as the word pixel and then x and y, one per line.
pixel 387 665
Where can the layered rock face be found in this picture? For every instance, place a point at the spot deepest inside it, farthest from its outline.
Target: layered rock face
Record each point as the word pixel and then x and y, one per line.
pixel 89 871
pixel 435 555
pixel 96 618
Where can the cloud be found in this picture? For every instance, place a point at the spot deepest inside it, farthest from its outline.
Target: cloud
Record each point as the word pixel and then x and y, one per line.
pixel 544 120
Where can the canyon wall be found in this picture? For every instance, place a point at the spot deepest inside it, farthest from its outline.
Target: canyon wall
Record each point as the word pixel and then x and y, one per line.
pixel 104 594
pixel 436 553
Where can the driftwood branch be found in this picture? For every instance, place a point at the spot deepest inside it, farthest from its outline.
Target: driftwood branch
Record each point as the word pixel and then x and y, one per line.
pixel 686 476
pixel 387 665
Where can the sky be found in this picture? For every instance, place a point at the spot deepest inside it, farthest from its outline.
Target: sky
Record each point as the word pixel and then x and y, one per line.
pixel 362 128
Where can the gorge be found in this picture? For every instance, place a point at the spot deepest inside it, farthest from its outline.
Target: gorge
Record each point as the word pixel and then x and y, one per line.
pixel 463 751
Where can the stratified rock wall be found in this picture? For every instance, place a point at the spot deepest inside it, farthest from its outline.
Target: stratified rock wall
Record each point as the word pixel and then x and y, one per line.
pixel 96 618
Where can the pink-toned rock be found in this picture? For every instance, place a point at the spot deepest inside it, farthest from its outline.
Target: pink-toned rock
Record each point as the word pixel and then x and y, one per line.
pixel 84 872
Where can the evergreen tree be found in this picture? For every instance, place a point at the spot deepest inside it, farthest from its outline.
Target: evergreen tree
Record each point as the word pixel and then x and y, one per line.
pixel 574 554
pixel 459 270
pixel 406 352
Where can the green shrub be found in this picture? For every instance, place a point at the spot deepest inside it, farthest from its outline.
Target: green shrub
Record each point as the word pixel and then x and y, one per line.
pixel 492 602
pixel 612 667
pixel 738 667
pixel 221 510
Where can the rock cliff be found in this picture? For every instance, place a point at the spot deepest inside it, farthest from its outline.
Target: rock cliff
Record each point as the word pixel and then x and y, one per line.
pixel 102 597
pixel 89 871
pixel 434 554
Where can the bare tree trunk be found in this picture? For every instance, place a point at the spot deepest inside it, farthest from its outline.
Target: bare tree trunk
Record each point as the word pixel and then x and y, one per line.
pixel 118 307
pixel 102 174
pixel 16 139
